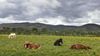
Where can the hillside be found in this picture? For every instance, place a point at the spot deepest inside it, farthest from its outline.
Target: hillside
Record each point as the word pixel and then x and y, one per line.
pixel 55 27
pixel 36 25
pixel 87 28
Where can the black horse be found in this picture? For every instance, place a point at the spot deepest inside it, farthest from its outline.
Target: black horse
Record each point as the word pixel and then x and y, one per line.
pixel 58 42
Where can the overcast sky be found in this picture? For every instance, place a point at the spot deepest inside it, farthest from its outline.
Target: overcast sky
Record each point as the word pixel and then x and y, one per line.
pixel 67 12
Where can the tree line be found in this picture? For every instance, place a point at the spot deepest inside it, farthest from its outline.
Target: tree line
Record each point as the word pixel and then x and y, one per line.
pixel 37 31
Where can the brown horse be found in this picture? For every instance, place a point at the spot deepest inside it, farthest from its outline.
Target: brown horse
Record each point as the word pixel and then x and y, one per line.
pixel 79 46
pixel 31 45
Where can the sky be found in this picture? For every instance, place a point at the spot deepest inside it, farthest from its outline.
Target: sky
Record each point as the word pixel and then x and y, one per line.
pixel 56 12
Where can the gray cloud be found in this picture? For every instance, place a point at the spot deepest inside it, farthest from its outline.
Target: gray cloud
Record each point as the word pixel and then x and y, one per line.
pixel 72 11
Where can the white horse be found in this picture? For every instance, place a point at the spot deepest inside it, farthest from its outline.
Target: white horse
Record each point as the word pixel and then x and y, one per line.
pixel 12 35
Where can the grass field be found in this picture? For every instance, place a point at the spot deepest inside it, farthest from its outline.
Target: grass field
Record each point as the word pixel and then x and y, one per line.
pixel 14 47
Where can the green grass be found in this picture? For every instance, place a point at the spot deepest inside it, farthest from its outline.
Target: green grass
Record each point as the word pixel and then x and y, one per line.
pixel 14 47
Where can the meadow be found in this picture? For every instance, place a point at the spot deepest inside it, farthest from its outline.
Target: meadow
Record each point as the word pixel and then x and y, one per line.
pixel 14 47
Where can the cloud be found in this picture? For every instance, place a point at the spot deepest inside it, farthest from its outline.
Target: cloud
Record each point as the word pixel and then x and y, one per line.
pixel 75 12
pixel 51 20
pixel 26 9
pixel 7 20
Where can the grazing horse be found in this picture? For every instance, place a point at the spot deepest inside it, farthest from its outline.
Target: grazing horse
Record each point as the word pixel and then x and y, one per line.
pixel 79 46
pixel 31 45
pixel 12 35
pixel 58 42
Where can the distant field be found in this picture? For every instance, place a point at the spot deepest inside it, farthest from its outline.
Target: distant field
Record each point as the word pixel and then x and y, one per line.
pixel 14 47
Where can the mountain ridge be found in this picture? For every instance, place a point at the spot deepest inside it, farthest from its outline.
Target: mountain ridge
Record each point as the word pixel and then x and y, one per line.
pixel 28 28
pixel 48 26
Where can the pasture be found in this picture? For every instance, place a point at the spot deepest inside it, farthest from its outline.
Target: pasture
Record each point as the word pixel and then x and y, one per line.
pixel 14 47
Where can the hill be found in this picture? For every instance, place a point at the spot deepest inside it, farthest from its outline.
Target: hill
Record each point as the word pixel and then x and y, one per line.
pixel 27 25
pixel 87 28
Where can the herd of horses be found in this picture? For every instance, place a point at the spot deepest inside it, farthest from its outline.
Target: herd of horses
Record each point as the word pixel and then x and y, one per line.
pixel 58 42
